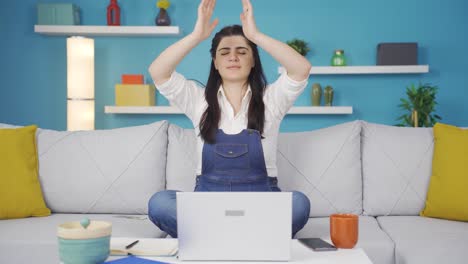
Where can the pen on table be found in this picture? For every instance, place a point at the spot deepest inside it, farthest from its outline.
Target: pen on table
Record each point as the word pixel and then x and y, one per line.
pixel 129 246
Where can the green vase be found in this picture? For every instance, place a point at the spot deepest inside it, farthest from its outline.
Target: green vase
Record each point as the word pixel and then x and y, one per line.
pixel 316 94
pixel 328 94
pixel 338 58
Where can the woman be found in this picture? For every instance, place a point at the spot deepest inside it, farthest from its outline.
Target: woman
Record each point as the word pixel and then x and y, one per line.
pixel 237 116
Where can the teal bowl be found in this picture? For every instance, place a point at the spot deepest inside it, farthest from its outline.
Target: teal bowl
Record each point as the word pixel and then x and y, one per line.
pixel 84 251
pixel 85 242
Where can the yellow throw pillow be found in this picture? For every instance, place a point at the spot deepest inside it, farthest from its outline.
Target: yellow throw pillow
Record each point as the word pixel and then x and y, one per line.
pixel 20 191
pixel 446 197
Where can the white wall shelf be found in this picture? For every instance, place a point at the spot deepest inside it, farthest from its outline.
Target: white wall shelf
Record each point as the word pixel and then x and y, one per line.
pixel 376 69
pixel 115 31
pixel 110 109
pixel 318 110
pixel 297 110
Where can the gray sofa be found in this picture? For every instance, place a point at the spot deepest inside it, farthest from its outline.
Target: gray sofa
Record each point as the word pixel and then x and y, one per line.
pixel 379 172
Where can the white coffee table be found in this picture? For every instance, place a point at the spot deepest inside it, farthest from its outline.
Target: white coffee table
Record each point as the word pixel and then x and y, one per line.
pixel 299 254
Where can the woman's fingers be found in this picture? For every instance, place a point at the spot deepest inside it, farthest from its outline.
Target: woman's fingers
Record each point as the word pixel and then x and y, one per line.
pixel 212 5
pixel 214 24
pixel 249 5
pixel 203 26
pixel 206 7
pixel 246 6
pixel 208 4
pixel 247 10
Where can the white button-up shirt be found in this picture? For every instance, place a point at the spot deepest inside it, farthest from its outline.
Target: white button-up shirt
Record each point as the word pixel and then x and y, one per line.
pixel 278 98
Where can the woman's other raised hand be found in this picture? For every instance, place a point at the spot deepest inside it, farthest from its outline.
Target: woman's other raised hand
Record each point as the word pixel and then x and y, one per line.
pixel 248 22
pixel 204 27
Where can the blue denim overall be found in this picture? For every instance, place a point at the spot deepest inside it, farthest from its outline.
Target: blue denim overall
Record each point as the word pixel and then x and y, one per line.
pixel 234 163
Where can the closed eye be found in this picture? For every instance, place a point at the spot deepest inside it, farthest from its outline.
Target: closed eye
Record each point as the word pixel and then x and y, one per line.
pixel 239 50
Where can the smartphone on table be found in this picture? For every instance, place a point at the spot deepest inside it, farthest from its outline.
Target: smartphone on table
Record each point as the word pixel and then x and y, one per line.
pixel 317 244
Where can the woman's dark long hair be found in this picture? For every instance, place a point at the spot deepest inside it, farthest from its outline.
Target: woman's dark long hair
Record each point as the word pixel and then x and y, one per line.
pixel 209 121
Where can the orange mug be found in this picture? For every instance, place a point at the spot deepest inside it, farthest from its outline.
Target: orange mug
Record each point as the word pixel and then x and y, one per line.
pixel 344 230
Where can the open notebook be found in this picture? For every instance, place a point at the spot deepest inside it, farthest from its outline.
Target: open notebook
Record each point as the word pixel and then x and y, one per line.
pixel 144 247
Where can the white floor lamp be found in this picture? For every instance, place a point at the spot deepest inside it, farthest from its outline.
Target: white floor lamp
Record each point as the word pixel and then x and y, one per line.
pixel 80 83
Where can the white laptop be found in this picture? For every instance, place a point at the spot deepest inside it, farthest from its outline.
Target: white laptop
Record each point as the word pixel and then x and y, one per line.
pixel 250 226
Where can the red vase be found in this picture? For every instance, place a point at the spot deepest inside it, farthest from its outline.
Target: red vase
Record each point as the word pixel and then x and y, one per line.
pixel 113 14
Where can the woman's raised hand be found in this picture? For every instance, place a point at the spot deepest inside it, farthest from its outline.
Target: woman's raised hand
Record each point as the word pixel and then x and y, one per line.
pixel 203 26
pixel 248 21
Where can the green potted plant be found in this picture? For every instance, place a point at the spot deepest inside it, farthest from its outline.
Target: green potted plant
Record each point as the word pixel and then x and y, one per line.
pixel 419 105
pixel 299 45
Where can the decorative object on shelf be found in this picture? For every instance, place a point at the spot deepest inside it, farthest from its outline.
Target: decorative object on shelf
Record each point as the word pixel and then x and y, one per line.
pixel 338 58
pixel 328 95
pixel 419 105
pixel 316 94
pixel 133 79
pixel 58 14
pixel 80 83
pixel 397 53
pixel 135 95
pixel 299 45
pixel 113 13
pixel 163 19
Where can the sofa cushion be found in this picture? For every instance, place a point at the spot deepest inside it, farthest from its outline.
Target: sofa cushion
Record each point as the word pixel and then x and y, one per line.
pixel 396 168
pixel 102 171
pixel 311 162
pixel 112 171
pixel 373 240
pixel 27 239
pixel 20 189
pixel 325 165
pixel 426 240
pixel 181 159
pixel 446 197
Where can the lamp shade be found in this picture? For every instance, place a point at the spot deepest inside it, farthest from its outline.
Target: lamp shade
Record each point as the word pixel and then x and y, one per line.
pixel 80 83
pixel 80 115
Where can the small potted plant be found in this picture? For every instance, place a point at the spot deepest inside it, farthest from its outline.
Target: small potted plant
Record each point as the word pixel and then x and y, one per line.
pixel 419 105
pixel 299 45
pixel 163 18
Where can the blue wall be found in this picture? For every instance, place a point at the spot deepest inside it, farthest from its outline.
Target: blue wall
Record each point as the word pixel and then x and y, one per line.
pixel 33 66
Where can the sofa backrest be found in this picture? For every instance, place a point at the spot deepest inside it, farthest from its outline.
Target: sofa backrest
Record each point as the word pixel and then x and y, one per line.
pixel 355 167
pixel 102 171
pixel 323 164
pixel 396 168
